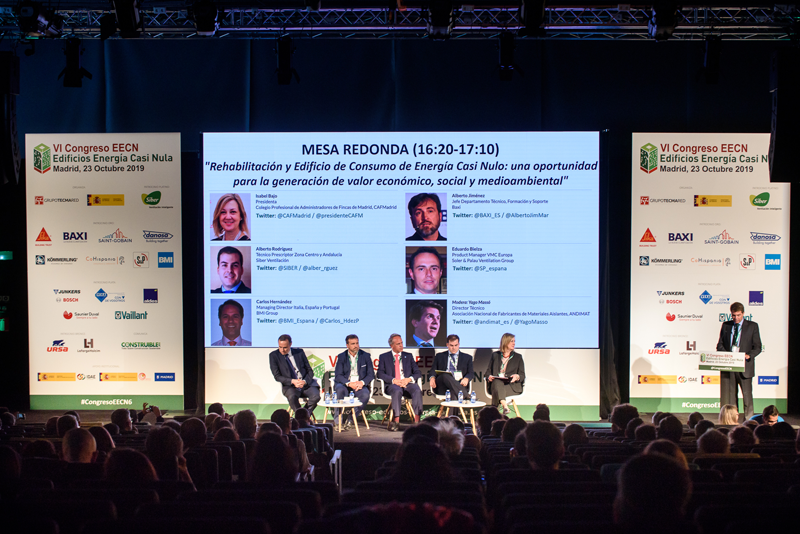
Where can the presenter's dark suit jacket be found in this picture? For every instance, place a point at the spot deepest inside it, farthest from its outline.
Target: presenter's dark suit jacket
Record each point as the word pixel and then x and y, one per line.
pixel 464 364
pixel 515 366
pixel 283 374
pixel 749 343
pixel 386 367
pixel 241 289
pixel 365 371
pixel 418 237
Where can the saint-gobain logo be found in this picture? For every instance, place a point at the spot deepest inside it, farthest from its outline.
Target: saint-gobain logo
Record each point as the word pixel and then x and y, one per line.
pixel 648 158
pixel 41 158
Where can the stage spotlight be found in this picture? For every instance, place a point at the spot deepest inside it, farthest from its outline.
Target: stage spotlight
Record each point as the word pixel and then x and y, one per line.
pixel 711 58
pixel 205 15
pixel 532 17
pixel 440 19
pixel 506 46
pixel 108 26
pixel 129 19
pixel 663 19
pixel 285 70
pixel 73 73
pixel 36 21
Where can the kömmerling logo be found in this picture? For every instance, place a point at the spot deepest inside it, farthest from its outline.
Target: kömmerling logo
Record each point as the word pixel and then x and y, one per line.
pixel 41 158
pixel 648 158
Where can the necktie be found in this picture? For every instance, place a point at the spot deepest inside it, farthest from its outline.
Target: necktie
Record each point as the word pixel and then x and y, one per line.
pixel 736 335
pixel 425 344
pixel 231 343
pixel 291 367
pixel 397 367
pixel 452 367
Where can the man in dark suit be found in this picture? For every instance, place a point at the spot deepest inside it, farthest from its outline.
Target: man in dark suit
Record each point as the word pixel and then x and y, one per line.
pixel 353 372
pixel 456 362
pixel 739 336
pixel 400 373
pixel 230 268
pixel 290 367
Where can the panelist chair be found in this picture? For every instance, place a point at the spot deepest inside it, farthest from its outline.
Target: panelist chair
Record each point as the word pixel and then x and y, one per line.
pixel 510 398
pixel 388 414
pixel 441 399
pixel 328 376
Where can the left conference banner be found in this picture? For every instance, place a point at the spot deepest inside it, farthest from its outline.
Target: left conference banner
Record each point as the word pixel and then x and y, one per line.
pixel 104 270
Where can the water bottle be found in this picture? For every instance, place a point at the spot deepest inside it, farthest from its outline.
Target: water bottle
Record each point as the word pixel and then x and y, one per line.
pixel 352 398
pixel 472 397
pixel 460 397
pixel 333 397
pixel 327 398
pixel 447 396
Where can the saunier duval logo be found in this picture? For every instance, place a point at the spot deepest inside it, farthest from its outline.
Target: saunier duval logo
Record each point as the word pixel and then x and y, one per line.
pixel 156 237
pixel 115 237
pixel 151 199
pixel 41 158
pixel 130 316
pixel 760 201
pixel 648 158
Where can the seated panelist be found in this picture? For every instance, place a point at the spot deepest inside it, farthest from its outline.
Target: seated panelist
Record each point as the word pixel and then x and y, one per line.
pixel 290 367
pixel 353 372
pixel 455 362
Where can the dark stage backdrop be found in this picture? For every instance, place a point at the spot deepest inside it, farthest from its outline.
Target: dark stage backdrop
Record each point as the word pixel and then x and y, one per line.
pixel 198 85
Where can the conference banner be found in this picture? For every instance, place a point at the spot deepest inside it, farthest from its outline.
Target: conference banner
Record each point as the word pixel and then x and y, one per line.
pixel 104 270
pixel 424 234
pixel 708 229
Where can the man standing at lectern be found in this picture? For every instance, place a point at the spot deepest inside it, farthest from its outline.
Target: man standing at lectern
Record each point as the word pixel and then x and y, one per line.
pixel 739 336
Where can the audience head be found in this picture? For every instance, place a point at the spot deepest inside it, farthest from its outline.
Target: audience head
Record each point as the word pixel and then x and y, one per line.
pixel 713 442
pixel 129 467
pixel 10 465
pixel 751 424
pixel 545 445
pixel 652 490
pixel 764 432
pixel 65 424
pixel 102 438
pixel 112 429
pixel 783 430
pixel 216 408
pixel 271 428
pixel 520 449
pixel 51 426
pixel 645 432
pixel 728 415
pixel 656 418
pixel 770 415
pixel 541 413
pixel 694 418
pixel 513 427
pixel 40 448
pixel 459 424
pixel 173 424
pixel 670 428
pixel 193 433
pixel 209 419
pixel 122 418
pixel 667 448
pixel 486 416
pixel 702 426
pixel 273 461
pixel 282 418
pixel 163 443
pixel 221 423
pixel 74 414
pixel 742 435
pixel 630 430
pixel 422 462
pixel 451 440
pixel 226 434
pixel 134 415
pixel 79 446
pixel 497 427
pixel 245 423
pixel 574 434
pixel 303 417
pixel 430 420
pixel 620 415
pixel 420 431
pixel 8 420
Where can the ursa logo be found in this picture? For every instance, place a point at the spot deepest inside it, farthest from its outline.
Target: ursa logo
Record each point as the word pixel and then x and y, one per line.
pixel 151 199
pixel 58 346
pixel 659 348
pixel 648 158
pixel 41 158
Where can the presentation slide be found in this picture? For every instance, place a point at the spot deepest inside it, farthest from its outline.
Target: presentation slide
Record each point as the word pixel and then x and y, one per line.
pixel 425 234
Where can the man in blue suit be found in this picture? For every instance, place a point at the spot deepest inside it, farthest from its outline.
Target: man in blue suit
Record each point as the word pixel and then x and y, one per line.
pixel 400 373
pixel 290 367
pixel 453 361
pixel 354 373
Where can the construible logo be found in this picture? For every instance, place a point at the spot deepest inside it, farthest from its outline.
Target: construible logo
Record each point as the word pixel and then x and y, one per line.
pixel 648 158
pixel 151 199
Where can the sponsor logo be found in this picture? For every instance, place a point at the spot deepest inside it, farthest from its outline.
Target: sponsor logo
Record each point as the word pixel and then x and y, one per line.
pixel 771 380
pixel 81 315
pixel 42 200
pixel 165 377
pixel 115 237
pixel 88 346
pixel 648 237
pixel 67 299
pixel 670 317
pixel 648 158
pixel 67 291
pixel 690 317
pixel 759 201
pixel 67 315
pixel 747 262
pixel 58 346
pixel 40 259
pixel 38 201
pixel 57 261
pixel 670 293
pixel 713 201
pixel 151 199
pixel 723 238
pixel 658 379
pixel 156 237
pixel 681 238
pixel 705 296
pixel 711 262
pixel 151 296
pixel 709 380
pixel 646 201
pixel 119 377
pixel 56 377
pixel 130 316
pixel 101 295
pixel 756 298
pixel 82 376
pixel 43 239
pixel 687 380
pixel 142 376
pixel 670 301
pixel 759 238
pixel 691 345
pixel 166 260
pixel 650 260
pixel 41 158
pixel 644 261
pixel 106 260
pixel 772 262
pixel 74 236
pixel 728 317
pixel 659 348
pixel 141 259
pixel 140 345
pixel 105 200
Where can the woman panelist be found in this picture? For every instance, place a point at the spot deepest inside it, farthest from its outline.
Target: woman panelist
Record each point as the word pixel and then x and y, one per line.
pixel 506 372
pixel 230 219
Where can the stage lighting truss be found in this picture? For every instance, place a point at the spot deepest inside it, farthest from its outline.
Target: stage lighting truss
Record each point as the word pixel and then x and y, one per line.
pixel 621 22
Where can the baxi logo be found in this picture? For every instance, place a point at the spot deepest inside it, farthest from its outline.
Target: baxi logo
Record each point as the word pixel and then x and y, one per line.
pixel 166 260
pixel 648 158
pixel 151 199
pixel 41 158
pixel 759 200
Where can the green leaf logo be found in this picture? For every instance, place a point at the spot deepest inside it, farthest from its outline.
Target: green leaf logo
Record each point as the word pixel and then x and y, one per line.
pixel 759 200
pixel 152 199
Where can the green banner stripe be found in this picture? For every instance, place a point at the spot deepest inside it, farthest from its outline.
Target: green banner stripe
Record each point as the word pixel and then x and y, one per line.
pixel 695 404
pixel 104 402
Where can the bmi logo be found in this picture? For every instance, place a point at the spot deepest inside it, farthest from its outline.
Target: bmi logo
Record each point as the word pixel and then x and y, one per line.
pixel 772 262
pixel 41 158
pixel 648 158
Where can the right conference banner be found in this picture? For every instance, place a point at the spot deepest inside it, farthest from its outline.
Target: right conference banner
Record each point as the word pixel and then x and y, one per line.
pixel 707 229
